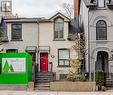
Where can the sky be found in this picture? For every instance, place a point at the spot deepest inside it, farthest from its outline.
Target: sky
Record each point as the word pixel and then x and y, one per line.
pixel 37 8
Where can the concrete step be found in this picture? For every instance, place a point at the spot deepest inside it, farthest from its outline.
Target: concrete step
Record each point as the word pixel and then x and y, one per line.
pixel 109 82
pixel 42 86
pixel 43 81
pixel 13 87
pixel 41 76
pixel 44 73
pixel 44 77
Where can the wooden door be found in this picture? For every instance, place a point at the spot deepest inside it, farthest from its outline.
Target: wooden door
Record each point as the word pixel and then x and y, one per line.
pixel 43 62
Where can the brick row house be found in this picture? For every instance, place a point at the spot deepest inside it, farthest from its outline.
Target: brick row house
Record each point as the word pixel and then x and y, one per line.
pixel 47 40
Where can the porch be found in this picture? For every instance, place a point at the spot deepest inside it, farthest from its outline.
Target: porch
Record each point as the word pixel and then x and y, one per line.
pixel 101 63
pixel 108 77
pixel 42 79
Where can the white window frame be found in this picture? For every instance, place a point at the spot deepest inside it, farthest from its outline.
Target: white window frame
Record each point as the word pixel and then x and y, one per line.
pixel 101 3
pixel 63 60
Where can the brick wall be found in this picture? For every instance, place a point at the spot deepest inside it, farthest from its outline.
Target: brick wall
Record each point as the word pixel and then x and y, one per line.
pixel 75 7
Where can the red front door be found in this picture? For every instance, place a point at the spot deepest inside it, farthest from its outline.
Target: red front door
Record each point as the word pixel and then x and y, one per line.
pixel 43 62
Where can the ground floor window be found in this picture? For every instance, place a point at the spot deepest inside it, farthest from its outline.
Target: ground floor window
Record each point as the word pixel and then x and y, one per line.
pixel 32 51
pixel 63 76
pixel 63 57
pixel 33 54
pixel 82 67
pixel 11 50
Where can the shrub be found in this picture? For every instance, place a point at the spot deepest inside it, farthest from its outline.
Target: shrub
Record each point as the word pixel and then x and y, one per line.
pixel 103 88
pixel 74 72
pixel 99 78
pixel 75 78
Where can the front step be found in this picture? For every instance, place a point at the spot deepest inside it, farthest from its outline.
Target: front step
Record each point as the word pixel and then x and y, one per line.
pixel 41 77
pixel 42 86
pixel 43 81
pixel 109 82
pixel 45 73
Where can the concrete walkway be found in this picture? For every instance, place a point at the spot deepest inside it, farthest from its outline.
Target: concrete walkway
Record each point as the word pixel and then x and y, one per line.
pixel 52 93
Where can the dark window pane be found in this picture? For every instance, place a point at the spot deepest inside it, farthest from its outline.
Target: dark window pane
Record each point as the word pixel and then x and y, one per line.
pixel 101 24
pixel 101 3
pixel 101 30
pixel 63 76
pixel 56 34
pixel 58 28
pixel 16 31
pixel 6 6
pixel 11 50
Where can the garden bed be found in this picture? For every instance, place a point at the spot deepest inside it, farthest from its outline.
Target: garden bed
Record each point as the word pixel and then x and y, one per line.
pixel 72 86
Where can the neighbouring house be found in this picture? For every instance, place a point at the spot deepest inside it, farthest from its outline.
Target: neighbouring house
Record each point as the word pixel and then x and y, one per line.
pixel 97 24
pixel 5 12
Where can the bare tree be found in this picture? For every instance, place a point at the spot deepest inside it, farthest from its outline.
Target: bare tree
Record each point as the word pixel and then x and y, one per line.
pixel 79 45
pixel 75 70
pixel 67 9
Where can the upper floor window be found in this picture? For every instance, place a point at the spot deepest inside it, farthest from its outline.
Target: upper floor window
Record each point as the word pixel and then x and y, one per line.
pixel 101 30
pixel 6 6
pixel 16 31
pixel 58 29
pixel 101 3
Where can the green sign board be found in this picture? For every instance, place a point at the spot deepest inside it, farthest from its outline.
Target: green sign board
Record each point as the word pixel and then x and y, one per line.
pixel 15 68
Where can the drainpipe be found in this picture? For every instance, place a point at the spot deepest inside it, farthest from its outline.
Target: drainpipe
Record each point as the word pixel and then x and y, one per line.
pixel 38 46
pixel 89 65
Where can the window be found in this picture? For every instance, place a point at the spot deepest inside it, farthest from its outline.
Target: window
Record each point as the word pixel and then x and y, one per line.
pixel 11 50
pixel 101 30
pixel 32 51
pixel 63 76
pixel 16 31
pixel 101 3
pixel 94 1
pixel 6 6
pixel 58 28
pixel 63 57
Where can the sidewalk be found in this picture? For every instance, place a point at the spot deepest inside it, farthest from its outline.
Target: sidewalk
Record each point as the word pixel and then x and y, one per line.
pixel 52 93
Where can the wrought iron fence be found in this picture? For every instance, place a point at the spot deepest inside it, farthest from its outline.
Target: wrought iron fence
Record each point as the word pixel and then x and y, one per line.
pixel 103 78
pixel 109 75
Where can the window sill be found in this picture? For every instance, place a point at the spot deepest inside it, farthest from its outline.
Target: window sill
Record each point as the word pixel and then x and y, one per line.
pixel 60 66
pixel 101 40
pixel 16 40
pixel 101 8
pixel 59 40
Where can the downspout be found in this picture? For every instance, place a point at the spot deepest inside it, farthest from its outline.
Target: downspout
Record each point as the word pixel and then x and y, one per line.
pixel 38 45
pixel 89 67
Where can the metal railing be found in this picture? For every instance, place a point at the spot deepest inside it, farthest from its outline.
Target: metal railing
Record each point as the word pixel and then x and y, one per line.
pixel 50 67
pixel 104 78
pixel 33 73
pixel 109 75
